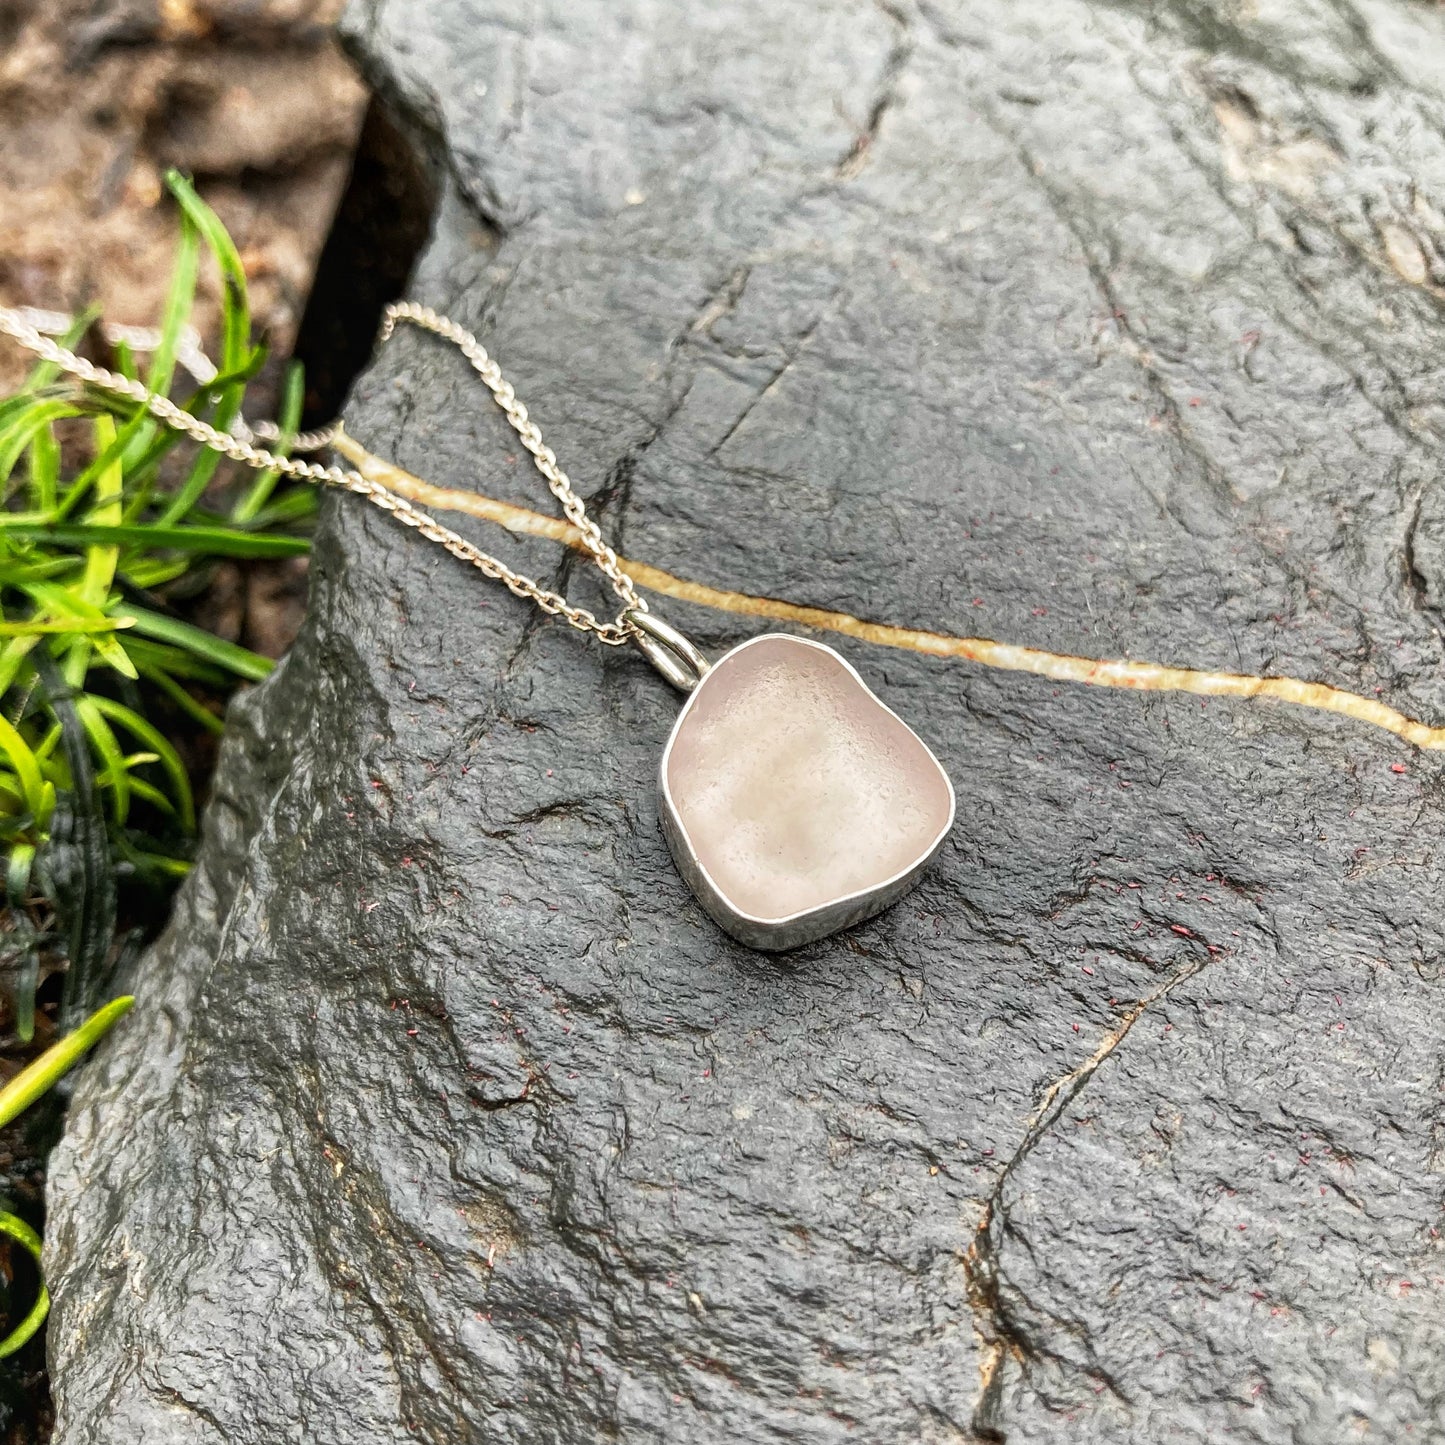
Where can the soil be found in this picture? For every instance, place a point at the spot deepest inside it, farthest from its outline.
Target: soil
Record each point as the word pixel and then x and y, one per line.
pixel 99 97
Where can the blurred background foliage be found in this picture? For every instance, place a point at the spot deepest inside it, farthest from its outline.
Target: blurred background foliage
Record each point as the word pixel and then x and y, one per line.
pixel 109 528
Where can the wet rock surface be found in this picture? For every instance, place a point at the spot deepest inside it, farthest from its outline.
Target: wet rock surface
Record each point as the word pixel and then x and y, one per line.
pixel 446 1114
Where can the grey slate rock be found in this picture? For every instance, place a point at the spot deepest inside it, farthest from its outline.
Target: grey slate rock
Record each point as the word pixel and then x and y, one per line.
pixel 445 1114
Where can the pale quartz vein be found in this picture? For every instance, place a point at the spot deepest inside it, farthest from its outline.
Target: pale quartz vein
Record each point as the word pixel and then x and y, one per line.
pixel 1060 666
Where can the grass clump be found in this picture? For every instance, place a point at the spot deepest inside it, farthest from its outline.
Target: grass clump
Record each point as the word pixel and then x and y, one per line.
pixel 106 528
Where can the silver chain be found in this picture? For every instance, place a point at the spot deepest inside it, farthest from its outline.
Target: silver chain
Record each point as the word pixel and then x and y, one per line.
pixel 29 328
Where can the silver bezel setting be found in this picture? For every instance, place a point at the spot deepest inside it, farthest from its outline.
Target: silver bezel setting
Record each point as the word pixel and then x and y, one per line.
pixel 796 929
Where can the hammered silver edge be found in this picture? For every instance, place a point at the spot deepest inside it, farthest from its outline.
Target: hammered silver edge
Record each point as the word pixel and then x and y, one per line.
pixel 778 935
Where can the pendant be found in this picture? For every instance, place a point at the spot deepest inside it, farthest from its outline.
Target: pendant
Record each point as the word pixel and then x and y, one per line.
pixel 795 803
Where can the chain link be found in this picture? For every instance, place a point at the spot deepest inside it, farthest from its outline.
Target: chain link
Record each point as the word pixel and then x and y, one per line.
pixel 29 327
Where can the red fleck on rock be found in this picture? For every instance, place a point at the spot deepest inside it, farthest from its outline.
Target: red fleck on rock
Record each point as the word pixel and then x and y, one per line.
pixel 1397 767
pixel 1088 970
pixel 1181 930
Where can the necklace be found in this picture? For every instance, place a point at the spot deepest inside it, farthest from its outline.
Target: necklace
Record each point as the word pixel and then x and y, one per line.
pixel 794 802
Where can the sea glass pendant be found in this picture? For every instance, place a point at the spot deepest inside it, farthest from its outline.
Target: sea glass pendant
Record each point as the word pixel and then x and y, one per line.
pixel 795 803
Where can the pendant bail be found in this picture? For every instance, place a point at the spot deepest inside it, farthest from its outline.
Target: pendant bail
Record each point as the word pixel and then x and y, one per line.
pixel 667 649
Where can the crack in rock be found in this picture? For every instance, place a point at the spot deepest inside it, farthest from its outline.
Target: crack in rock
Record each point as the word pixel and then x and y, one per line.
pixel 1000 1331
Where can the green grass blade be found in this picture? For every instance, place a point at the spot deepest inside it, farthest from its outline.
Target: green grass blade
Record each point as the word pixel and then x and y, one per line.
pixel 32 628
pixel 12 407
pixel 294 506
pixel 179 300
pixel 15 572
pixel 12 658
pixel 45 750
pixel 101 558
pixel 18 877
pixel 170 760
pixel 240 660
pixel 21 520
pixel 110 483
pixel 13 812
pixel 140 789
pixel 177 662
pixel 147 573
pixel 206 462
pixel 61 601
pixel 24 1000
pixel 142 858
pixel 111 651
pixel 40 1076
pixel 105 459
pixel 103 740
pixel 236 349
pixel 17 873
pixel 236 315
pixel 26 768
pixel 164 438
pixel 44 470
pixel 123 361
pixel 178 695
pixel 23 1332
pixel 214 541
pixel 289 419
pixel 21 431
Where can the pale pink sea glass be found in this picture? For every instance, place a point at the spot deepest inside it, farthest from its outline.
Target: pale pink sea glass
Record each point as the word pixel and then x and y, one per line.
pixel 795 787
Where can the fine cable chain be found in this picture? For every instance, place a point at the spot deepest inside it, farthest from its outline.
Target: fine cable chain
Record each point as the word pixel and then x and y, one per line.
pixel 188 354
pixel 29 328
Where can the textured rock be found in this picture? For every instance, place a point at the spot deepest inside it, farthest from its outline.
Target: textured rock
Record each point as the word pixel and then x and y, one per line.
pixel 446 1115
